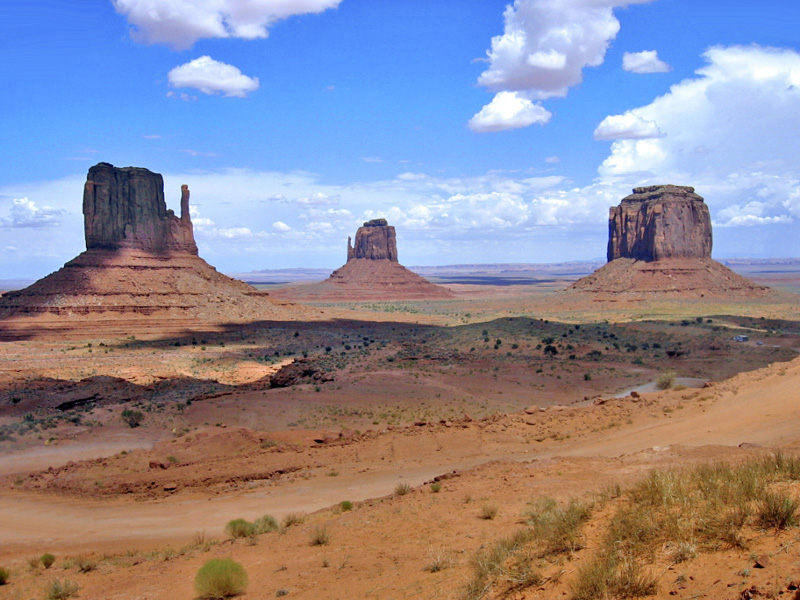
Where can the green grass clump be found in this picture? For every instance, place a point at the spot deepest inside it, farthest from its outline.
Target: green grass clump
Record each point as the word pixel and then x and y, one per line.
pixel 47 560
pixel 401 489
pixel 220 578
pixel 320 536
pixel 5 574
pixel 240 528
pixel 611 577
pixel 665 381
pixel 436 487
pixel 345 506
pixel 266 524
pixel 777 511
pixel 60 589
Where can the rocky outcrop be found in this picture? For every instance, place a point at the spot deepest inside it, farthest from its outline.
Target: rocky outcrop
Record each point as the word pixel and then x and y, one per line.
pixel 376 240
pixel 140 262
pixel 371 272
pixel 659 246
pixel 657 222
pixel 125 208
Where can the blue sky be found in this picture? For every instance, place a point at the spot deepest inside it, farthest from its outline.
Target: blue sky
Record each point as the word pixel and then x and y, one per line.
pixel 485 131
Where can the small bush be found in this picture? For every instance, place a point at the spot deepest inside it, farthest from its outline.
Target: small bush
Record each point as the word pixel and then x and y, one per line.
pixel 438 560
pixel 220 578
pixel 401 489
pixel 320 536
pixel 345 505
pixel 85 564
pixel 240 528
pixel 665 381
pixel 60 590
pixel 266 524
pixel 488 512
pixel 4 575
pixel 436 487
pixel 777 511
pixel 47 560
pixel 293 519
pixel 132 418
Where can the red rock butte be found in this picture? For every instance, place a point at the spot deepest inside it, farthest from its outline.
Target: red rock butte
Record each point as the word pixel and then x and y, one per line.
pixel 372 272
pixel 140 261
pixel 659 245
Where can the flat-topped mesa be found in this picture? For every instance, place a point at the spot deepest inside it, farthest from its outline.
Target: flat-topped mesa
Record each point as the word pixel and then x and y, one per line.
pixel 376 240
pixel 660 221
pixel 125 208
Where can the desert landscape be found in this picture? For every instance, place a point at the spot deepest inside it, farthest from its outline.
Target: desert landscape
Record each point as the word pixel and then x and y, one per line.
pixel 358 300
pixel 520 432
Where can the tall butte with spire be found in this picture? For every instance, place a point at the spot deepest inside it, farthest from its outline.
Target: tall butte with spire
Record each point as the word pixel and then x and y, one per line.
pixel 372 272
pixel 659 244
pixel 140 261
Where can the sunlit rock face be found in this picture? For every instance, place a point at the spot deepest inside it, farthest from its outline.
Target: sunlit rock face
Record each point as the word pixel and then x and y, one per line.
pixel 125 208
pixel 375 240
pixel 657 222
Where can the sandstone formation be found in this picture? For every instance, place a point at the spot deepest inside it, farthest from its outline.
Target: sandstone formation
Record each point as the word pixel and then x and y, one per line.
pixel 125 208
pixel 376 240
pixel 659 245
pixel 371 272
pixel 660 221
pixel 140 260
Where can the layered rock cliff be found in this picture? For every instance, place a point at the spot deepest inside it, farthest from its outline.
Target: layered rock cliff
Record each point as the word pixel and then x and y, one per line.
pixel 140 261
pixel 657 222
pixel 375 240
pixel 659 245
pixel 371 272
pixel 125 208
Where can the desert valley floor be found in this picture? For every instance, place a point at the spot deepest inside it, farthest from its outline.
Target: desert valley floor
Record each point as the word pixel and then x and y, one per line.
pixel 494 444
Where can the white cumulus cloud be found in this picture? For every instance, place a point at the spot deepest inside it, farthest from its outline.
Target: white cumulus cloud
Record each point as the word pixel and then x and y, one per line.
pixel 644 62
pixel 547 43
pixel 212 77
pixel 24 213
pixel 180 23
pixel 508 110
pixel 731 132
pixel 626 127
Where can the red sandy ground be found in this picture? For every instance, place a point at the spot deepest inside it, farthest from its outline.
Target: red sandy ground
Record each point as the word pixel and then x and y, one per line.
pixel 146 519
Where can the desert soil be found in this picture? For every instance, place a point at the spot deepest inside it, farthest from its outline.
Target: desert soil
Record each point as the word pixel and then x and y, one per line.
pixel 408 393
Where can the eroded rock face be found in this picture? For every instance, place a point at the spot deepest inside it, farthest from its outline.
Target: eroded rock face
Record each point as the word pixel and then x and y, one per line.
pixel 125 208
pixel 657 222
pixel 376 240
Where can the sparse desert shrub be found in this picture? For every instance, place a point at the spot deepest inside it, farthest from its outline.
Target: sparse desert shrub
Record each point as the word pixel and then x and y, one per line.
pixel 240 528
pixel 608 576
pixel 47 560
pixel 34 562
pixel 345 505
pixel 558 527
pixel 293 519
pixel 401 489
pixel 777 511
pixel 439 559
pixel 488 512
pixel 220 578
pixel 436 487
pixel 5 574
pixel 60 589
pixel 265 524
pixel 132 418
pixel 320 536
pixel 85 564
pixel 665 381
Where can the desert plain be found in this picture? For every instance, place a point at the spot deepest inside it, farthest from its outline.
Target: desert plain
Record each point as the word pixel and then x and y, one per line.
pixel 408 449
